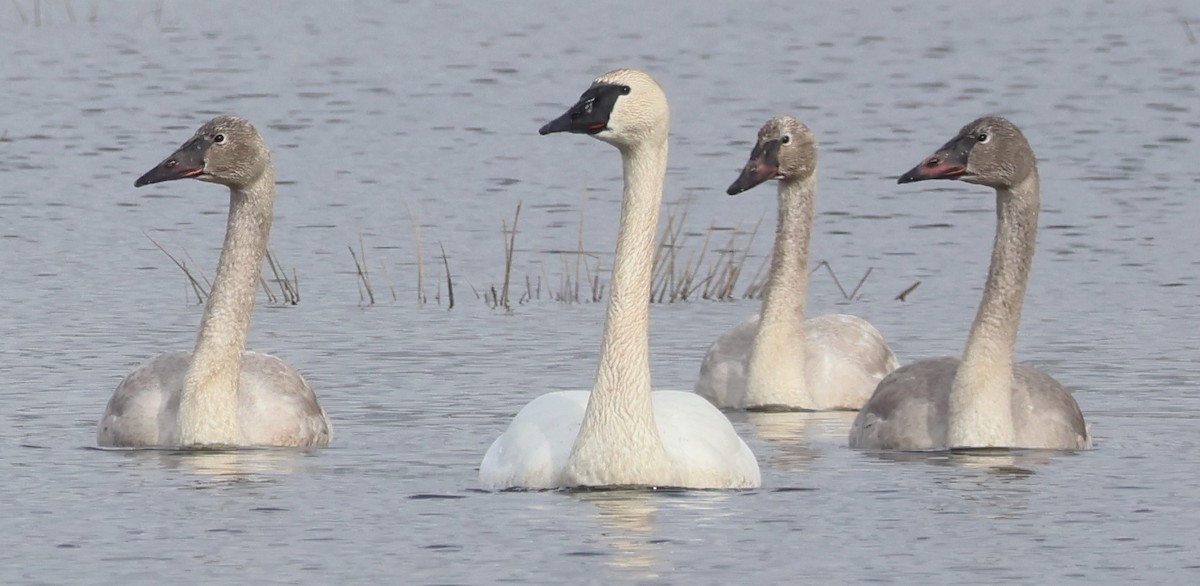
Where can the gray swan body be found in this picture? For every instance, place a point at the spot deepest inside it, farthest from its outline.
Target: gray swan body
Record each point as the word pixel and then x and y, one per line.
pixel 778 360
pixel 218 394
pixel 982 400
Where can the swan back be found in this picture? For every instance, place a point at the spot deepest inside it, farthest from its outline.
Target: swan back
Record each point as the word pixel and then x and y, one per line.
pixel 910 410
pixel 276 405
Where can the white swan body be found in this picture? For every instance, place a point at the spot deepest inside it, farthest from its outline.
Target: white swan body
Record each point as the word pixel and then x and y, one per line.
pixel 983 400
pixel 620 434
pixel 777 360
pixel 845 357
pixel 219 395
pixel 533 452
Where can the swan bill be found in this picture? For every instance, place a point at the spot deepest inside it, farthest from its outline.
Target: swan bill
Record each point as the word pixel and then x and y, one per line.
pixel 763 165
pixel 933 168
pixel 949 162
pixel 187 161
pixel 590 115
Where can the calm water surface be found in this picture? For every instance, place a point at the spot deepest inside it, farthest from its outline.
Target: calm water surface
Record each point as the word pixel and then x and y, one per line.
pixel 378 111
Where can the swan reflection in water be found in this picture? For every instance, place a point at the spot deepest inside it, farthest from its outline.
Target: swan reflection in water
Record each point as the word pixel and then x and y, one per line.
pixel 223 469
pixel 630 524
pixel 796 439
pixel 996 483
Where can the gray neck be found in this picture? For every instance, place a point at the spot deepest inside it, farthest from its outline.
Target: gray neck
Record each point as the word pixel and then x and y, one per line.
pixel 208 410
pixel 981 398
pixel 777 366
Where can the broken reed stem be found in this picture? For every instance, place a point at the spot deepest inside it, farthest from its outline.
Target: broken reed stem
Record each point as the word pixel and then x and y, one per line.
pixel 201 293
pixel 416 229
pixel 903 296
pixel 861 281
pixel 203 277
pixel 829 269
pixel 579 243
pixel 846 296
pixel 364 279
pixel 289 289
pixel 510 242
pixel 449 282
pixel 388 277
pixel 266 287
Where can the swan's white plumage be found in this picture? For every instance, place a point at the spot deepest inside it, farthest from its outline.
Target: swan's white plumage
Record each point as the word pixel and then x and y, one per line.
pixel 533 451
pixel 621 433
pixel 845 358
pixel 276 405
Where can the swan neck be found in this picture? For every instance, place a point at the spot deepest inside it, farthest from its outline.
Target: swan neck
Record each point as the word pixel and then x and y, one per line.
pixel 981 396
pixel 209 405
pixel 777 367
pixel 619 425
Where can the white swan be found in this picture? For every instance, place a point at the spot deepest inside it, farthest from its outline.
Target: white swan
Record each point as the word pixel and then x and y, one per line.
pixel 219 395
pixel 782 362
pixel 984 400
pixel 621 434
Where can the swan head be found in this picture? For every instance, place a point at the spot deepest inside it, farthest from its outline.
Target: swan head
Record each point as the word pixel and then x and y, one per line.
pixel 624 107
pixel 227 150
pixel 990 151
pixel 786 150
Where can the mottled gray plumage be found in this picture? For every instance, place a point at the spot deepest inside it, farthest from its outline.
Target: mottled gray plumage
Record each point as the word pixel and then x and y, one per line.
pixel 984 399
pixel 218 394
pixel 910 410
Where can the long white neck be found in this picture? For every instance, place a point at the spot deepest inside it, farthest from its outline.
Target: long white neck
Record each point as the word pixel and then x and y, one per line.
pixel 618 441
pixel 981 398
pixel 208 409
pixel 777 367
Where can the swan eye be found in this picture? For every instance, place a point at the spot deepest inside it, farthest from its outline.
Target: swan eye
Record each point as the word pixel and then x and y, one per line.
pixel 220 138
pixel 786 139
pixel 625 90
pixel 982 137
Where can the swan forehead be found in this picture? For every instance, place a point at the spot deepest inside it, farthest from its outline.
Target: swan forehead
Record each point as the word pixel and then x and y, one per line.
pixel 631 77
pixel 781 125
pixel 990 124
pixel 227 123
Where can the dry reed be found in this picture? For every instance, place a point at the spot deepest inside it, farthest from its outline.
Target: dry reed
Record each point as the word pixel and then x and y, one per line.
pixel 364 278
pixel 289 287
pixel 416 230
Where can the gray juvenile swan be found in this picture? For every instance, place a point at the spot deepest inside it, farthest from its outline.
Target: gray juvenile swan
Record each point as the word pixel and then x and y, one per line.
pixel 782 362
pixel 220 395
pixel 983 400
pixel 620 433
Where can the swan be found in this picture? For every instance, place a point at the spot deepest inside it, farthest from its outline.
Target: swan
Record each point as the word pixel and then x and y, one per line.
pixel 782 362
pixel 983 400
pixel 620 434
pixel 219 395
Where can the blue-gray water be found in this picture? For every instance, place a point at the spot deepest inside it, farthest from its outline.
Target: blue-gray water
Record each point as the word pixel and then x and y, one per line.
pixel 372 107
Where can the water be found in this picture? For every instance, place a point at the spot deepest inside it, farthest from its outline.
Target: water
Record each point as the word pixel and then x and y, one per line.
pixel 433 107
